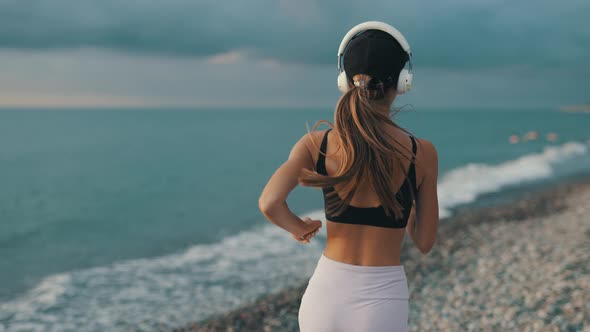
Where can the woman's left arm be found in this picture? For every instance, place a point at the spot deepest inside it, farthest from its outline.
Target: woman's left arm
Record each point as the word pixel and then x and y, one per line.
pixel 273 200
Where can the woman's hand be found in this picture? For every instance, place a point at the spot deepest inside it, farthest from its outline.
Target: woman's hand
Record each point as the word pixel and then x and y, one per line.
pixel 312 228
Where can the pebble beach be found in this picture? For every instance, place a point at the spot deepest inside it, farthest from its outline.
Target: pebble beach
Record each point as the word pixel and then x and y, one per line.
pixel 518 266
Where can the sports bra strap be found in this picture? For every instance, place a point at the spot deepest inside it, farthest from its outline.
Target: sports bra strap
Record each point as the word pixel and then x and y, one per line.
pixel 412 170
pixel 321 164
pixel 414 148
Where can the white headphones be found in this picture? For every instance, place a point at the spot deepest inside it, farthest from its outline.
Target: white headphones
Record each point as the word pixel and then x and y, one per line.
pixel 404 82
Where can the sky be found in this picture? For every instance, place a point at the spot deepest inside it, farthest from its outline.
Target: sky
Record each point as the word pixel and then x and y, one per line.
pixel 277 53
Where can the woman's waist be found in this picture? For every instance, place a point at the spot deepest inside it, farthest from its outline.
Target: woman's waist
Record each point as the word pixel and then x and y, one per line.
pixel 367 252
pixel 391 265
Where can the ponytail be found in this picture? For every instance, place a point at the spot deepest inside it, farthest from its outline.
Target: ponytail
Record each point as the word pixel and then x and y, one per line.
pixel 368 150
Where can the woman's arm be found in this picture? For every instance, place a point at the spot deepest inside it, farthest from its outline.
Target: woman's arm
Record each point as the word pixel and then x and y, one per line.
pixel 423 225
pixel 273 200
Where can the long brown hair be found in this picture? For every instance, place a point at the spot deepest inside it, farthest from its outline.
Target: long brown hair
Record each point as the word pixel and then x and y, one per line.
pixel 369 152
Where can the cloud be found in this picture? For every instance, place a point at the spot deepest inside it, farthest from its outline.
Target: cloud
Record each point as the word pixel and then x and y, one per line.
pixel 102 78
pixel 99 78
pixel 225 58
pixel 283 52
pixel 449 34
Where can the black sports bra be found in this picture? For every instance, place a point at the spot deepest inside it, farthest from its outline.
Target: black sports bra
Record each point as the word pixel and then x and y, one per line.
pixel 372 216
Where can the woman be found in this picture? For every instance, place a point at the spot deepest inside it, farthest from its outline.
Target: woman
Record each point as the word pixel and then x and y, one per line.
pixel 379 182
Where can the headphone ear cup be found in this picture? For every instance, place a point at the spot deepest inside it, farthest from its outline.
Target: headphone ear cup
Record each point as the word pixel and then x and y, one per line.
pixel 343 82
pixel 404 81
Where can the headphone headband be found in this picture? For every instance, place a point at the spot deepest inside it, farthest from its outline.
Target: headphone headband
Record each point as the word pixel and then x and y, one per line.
pixel 374 25
pixel 405 78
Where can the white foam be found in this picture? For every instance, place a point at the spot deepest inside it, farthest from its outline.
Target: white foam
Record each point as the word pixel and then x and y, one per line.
pixel 210 278
pixel 464 184
pixel 168 290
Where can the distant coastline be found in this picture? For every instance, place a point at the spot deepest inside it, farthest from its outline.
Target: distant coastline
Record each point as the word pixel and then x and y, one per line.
pixel 575 108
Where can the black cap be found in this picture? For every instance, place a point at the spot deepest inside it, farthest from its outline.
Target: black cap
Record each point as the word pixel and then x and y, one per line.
pixel 377 54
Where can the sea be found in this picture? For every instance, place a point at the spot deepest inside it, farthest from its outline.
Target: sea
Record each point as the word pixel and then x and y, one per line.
pixel 132 219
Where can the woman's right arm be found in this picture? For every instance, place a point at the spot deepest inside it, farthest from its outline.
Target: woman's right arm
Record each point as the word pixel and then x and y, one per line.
pixel 423 225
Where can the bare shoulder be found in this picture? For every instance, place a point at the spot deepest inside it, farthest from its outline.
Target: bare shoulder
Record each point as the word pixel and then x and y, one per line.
pixel 427 156
pixel 313 139
pixel 428 150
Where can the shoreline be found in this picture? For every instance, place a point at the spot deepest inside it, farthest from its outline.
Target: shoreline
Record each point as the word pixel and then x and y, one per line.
pixel 483 242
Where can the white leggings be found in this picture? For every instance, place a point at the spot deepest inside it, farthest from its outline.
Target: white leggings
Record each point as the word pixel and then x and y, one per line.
pixel 345 297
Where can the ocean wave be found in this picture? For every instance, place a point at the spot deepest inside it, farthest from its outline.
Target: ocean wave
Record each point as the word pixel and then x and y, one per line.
pixel 165 291
pixel 464 184
pixel 205 279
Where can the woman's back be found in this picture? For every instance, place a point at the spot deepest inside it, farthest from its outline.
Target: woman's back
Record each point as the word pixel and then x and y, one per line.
pixel 378 181
pixel 355 243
